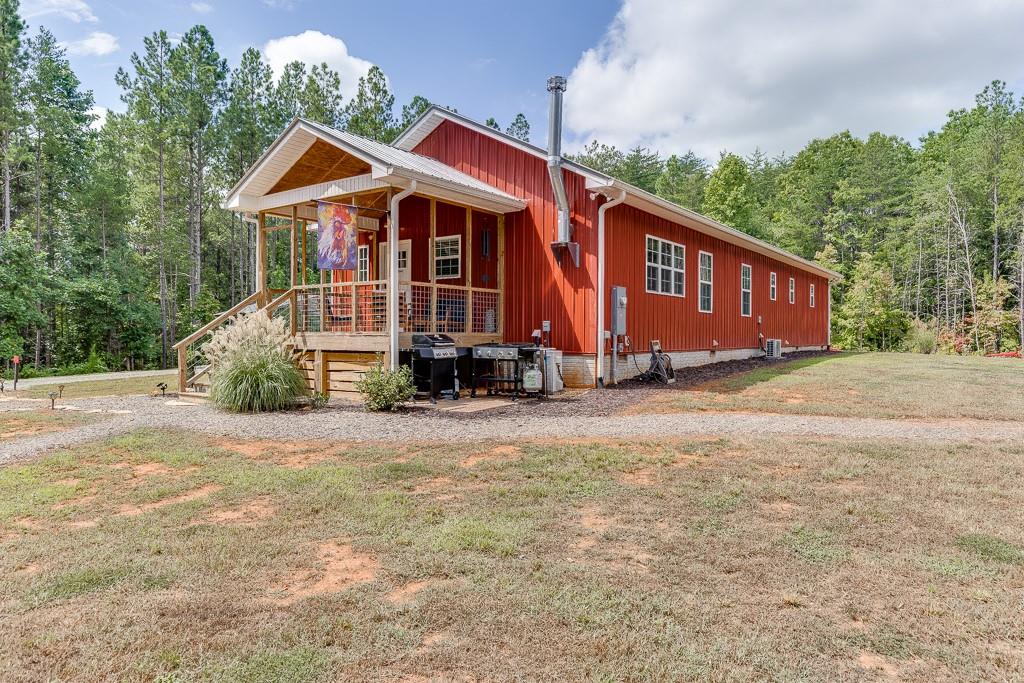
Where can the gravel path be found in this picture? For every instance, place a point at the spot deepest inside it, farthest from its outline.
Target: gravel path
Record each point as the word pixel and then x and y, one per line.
pixel 351 424
pixel 96 377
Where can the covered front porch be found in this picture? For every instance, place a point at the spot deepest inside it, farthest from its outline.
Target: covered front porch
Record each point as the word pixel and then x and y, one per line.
pixel 442 270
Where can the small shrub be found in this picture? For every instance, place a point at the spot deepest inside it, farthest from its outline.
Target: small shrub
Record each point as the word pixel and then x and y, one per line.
pixel 251 368
pixel 922 337
pixel 386 390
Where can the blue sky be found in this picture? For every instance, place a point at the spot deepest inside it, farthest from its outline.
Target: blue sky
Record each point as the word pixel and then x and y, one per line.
pixel 706 75
pixel 484 58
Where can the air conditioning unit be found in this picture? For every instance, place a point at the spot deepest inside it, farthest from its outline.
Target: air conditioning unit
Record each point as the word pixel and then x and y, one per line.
pixel 773 348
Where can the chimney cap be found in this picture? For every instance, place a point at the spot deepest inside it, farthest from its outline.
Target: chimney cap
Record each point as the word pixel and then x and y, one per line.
pixel 556 83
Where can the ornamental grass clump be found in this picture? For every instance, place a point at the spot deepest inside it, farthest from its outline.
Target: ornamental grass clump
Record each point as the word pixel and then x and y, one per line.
pixel 386 390
pixel 251 367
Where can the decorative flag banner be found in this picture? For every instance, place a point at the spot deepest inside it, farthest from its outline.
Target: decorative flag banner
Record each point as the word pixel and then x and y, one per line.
pixel 336 236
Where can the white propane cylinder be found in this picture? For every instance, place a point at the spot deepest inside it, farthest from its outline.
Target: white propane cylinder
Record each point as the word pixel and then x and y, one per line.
pixel 533 379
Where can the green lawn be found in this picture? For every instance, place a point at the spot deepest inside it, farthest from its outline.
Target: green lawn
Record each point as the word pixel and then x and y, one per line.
pixel 164 556
pixel 107 387
pixel 886 385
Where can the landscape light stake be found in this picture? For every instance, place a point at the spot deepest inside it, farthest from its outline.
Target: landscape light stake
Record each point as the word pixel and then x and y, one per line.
pixel 162 386
pixel 53 399
pixel 1 385
pixel 60 391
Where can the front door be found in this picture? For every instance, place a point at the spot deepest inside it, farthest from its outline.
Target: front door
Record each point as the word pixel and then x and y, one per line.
pixel 404 277
pixel 404 261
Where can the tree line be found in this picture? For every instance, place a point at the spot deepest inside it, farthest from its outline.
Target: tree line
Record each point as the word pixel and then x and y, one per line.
pixel 929 238
pixel 113 244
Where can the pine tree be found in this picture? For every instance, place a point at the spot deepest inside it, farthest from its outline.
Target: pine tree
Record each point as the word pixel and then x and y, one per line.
pixel 371 112
pixel 412 111
pixel 286 102
pixel 147 93
pixel 491 122
pixel 519 128
pixel 197 86
pixel 683 180
pixel 321 96
pixel 12 60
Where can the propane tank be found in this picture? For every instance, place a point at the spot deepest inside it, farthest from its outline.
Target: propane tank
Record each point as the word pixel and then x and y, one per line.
pixel 533 379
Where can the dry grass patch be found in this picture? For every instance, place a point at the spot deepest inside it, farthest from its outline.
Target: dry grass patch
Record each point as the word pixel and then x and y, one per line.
pixel 747 559
pixel 880 385
pixel 15 424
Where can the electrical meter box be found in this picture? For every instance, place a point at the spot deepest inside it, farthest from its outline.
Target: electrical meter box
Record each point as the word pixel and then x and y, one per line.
pixel 618 311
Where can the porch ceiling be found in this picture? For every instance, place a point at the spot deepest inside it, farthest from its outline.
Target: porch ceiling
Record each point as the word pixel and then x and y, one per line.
pixel 310 161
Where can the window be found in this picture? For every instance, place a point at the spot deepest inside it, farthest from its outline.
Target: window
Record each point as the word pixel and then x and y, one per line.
pixel 745 278
pixel 666 267
pixel 811 300
pixel 792 290
pixel 448 257
pixel 773 287
pixel 363 263
pixel 705 271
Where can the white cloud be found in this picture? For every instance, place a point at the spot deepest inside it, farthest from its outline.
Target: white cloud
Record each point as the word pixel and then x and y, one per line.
pixel 201 7
pixel 736 75
pixel 101 116
pixel 96 44
pixel 72 10
pixel 313 47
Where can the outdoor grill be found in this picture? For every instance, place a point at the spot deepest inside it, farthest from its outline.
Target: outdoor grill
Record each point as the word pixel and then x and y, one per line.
pixel 499 366
pixel 432 359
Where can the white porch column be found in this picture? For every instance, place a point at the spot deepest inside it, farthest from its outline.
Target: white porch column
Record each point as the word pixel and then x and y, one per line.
pixel 393 237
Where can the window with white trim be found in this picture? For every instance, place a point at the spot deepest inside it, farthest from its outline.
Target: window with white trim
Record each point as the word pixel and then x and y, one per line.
pixel 363 263
pixel 745 286
pixel 792 290
pixel 448 257
pixel 811 300
pixel 666 267
pixel 705 272
pixel 773 287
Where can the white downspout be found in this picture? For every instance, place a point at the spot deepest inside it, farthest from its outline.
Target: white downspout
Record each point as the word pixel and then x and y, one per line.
pixel 599 349
pixel 393 238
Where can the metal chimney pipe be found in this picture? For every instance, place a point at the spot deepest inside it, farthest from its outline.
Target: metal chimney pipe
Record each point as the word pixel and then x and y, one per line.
pixel 556 86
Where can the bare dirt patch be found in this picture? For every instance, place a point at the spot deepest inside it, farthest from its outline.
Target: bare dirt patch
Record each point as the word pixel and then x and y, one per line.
pixel 290 454
pixel 340 567
pixel 406 593
pixel 251 513
pixel 195 494
pixel 497 453
pixel 878 664
pixel 643 476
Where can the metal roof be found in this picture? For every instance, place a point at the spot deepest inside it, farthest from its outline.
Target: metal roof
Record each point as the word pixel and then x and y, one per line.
pixel 389 164
pixel 599 182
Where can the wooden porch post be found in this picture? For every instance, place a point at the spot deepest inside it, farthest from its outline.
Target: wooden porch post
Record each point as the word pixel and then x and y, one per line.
pixel 293 315
pixel 261 260
pixel 431 262
pixel 468 313
pixel 501 277
pixel 302 232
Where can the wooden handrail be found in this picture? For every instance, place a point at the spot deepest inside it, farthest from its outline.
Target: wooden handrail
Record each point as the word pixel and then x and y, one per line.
pixel 202 331
pixel 273 305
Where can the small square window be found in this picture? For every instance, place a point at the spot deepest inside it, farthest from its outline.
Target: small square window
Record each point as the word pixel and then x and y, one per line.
pixel 448 257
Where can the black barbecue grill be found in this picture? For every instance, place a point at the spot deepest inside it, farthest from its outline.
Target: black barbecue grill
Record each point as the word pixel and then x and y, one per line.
pixel 432 359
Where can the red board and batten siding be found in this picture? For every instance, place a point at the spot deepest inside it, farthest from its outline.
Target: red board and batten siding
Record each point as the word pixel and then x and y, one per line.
pixel 677 323
pixel 538 288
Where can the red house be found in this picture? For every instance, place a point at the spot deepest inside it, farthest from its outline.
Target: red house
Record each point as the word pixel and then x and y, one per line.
pixel 498 238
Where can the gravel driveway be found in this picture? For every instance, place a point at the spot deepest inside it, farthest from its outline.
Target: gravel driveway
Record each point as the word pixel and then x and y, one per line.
pixel 524 421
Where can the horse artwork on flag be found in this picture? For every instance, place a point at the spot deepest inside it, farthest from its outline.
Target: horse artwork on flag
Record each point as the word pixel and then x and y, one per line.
pixel 336 237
